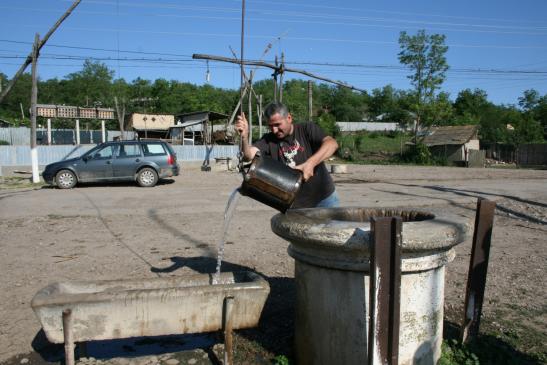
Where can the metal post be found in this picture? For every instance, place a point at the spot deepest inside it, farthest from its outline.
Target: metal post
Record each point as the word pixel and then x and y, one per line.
pixel 68 338
pixel 478 267
pixel 228 326
pixel 33 102
pixel 385 289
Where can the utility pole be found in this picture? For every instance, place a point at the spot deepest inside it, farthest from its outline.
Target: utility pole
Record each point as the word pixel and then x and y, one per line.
pixel 33 102
pixel 310 104
pixel 29 58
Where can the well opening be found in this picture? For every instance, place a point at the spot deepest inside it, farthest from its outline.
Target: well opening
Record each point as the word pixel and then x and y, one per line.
pixel 358 214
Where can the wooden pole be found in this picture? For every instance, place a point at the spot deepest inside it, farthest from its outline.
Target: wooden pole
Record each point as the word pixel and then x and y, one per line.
pixel 49 131
pixel 276 69
pixel 250 108
pixel 281 77
pixel 103 132
pixel 33 102
pixel 310 104
pixel 259 112
pixel 28 61
pixel 77 132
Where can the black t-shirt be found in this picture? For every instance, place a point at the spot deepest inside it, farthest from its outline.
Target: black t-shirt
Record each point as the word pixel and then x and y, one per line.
pixel 295 150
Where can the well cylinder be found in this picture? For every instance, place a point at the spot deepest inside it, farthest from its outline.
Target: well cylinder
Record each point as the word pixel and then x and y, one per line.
pixel 331 248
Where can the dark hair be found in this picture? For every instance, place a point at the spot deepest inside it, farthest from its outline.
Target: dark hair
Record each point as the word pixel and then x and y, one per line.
pixel 276 108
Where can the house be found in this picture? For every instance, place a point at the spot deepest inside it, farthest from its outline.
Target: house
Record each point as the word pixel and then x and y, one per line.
pixel 150 125
pixel 199 128
pixel 457 144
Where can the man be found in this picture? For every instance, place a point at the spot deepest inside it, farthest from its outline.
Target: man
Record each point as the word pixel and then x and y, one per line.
pixel 301 146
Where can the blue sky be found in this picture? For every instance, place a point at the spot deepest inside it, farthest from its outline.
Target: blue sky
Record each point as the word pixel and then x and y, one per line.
pixel 499 46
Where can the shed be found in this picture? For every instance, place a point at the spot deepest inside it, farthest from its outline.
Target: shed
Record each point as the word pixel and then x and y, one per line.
pixel 151 125
pixel 457 144
pixel 199 128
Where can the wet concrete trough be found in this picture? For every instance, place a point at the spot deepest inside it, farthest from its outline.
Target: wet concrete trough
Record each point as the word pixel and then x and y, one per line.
pixel 100 310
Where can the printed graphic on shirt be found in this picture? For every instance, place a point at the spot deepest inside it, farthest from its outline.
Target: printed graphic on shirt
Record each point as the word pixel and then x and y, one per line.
pixel 289 152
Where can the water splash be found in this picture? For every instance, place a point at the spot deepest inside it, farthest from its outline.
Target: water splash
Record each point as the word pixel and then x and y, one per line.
pixel 228 213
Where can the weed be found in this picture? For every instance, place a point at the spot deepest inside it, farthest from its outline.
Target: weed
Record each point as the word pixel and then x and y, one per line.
pixel 280 360
pixel 453 353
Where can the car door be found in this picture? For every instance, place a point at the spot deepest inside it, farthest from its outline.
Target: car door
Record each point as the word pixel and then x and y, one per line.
pixel 98 165
pixel 128 159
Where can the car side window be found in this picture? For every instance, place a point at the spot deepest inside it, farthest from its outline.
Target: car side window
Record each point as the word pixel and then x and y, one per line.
pixel 153 149
pixel 104 153
pixel 128 150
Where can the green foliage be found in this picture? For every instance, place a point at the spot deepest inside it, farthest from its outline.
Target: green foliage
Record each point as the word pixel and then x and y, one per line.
pixel 454 353
pixel 4 143
pixel 418 154
pixel 360 146
pixel 281 360
pixel 425 55
pixel 327 122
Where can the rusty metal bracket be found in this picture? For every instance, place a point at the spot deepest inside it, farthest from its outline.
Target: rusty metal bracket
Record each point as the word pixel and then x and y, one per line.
pixel 68 338
pixel 227 324
pixel 478 267
pixel 385 290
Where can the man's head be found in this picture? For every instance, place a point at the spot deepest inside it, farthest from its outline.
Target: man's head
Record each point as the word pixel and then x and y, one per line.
pixel 279 119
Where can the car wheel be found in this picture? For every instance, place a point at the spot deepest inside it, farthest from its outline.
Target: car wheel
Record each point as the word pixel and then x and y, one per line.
pixel 147 177
pixel 65 179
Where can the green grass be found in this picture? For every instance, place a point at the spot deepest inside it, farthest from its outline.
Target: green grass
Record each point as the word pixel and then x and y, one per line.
pixel 366 142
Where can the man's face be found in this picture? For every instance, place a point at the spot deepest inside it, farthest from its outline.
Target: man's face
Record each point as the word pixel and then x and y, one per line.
pixel 281 126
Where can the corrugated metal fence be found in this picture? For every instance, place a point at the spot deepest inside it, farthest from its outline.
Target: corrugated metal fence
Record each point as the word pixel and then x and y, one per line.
pixel 20 155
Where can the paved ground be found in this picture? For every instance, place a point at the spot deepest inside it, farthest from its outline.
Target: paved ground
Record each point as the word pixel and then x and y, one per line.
pixel 120 231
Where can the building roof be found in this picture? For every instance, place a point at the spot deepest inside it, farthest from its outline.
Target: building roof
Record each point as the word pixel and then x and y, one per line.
pixel 450 135
pixel 200 116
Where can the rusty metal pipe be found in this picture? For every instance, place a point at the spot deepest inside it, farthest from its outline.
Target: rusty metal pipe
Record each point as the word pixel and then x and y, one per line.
pixel 69 339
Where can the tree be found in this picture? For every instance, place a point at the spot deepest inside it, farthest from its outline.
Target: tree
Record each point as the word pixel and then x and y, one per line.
pixel 535 110
pixel 425 56
pixel 89 86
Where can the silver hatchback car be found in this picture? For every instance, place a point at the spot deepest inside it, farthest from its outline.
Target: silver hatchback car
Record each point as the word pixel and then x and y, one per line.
pixel 142 161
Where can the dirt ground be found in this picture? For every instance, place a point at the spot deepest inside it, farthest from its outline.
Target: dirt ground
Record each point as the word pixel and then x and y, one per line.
pixel 122 231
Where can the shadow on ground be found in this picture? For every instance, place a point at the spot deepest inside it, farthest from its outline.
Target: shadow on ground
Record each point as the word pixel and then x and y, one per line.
pixel 489 349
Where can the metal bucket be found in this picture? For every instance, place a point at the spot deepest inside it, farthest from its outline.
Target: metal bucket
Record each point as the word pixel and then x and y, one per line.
pixel 271 182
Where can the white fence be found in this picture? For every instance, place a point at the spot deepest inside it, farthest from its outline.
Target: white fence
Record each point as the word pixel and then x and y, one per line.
pixel 21 136
pixel 367 126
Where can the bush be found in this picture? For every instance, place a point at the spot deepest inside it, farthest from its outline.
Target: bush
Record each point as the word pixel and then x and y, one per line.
pixel 418 154
pixel 4 143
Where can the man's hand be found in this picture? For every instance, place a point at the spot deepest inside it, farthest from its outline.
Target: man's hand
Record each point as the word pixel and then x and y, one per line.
pixel 307 170
pixel 242 126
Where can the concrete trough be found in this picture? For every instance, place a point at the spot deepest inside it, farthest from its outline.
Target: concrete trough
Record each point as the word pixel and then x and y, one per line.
pixel 113 309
